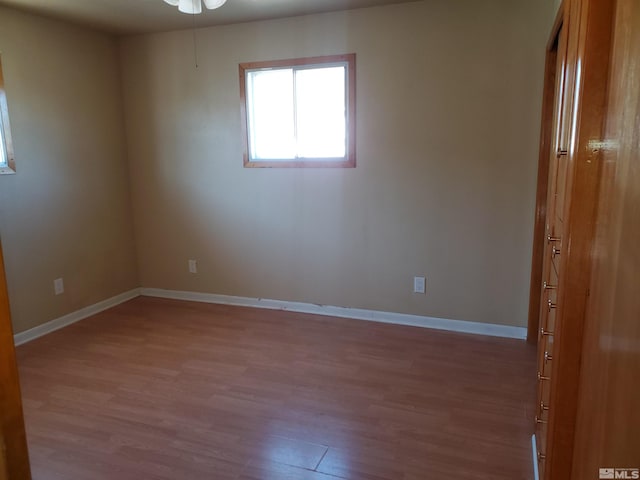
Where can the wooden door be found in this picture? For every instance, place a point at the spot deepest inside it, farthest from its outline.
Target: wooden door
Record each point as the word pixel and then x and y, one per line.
pixel 565 253
pixel 588 50
pixel 14 459
pixel 554 139
pixel 608 425
pixel 553 234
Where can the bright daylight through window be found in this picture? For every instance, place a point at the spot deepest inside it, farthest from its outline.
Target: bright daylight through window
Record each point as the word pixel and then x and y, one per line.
pixel 299 113
pixel 4 161
pixel 7 164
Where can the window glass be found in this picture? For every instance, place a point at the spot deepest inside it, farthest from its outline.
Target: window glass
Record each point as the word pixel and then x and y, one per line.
pixel 7 163
pixel 299 112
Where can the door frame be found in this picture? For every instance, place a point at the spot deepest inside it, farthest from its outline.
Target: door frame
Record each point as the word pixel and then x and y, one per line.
pixel 546 137
pixel 14 455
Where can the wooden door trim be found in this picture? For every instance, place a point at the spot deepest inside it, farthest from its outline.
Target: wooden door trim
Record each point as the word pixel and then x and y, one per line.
pixel 546 136
pixel 12 432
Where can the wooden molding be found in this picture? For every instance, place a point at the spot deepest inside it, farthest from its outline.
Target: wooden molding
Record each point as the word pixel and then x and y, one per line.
pixel 13 440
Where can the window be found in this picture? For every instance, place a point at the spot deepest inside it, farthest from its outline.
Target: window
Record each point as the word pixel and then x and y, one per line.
pixel 299 113
pixel 7 163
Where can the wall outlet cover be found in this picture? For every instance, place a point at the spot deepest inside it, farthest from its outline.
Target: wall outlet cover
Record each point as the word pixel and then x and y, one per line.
pixel 193 266
pixel 58 286
pixel 419 284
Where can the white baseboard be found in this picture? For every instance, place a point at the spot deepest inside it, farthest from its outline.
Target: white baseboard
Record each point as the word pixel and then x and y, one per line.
pixel 73 317
pixel 327 310
pixel 355 313
pixel 534 450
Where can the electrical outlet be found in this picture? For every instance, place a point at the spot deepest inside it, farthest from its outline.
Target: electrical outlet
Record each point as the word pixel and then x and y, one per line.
pixel 419 285
pixel 193 266
pixel 58 286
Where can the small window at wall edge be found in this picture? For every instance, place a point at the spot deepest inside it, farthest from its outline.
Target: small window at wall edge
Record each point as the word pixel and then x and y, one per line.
pixel 7 160
pixel 299 112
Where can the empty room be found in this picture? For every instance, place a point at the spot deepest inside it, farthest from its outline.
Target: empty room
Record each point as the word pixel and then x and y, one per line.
pixel 319 240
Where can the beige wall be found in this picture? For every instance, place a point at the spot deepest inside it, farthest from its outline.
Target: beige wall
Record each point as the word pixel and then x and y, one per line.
pixel 554 10
pixel 448 100
pixel 556 4
pixel 66 213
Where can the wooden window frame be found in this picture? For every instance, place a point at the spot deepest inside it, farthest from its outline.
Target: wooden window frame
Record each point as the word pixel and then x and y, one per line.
pixel 349 160
pixel 5 130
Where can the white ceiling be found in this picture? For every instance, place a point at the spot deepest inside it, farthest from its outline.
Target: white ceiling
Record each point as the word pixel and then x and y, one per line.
pixel 144 16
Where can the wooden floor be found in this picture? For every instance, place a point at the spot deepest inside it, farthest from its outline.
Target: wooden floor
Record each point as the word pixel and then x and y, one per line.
pixel 163 389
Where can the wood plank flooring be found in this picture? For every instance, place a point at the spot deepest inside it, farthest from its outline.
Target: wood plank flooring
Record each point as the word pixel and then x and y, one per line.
pixel 165 389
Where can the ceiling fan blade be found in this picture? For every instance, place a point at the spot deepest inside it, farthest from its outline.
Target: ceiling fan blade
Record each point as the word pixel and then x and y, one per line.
pixel 213 4
pixel 190 6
